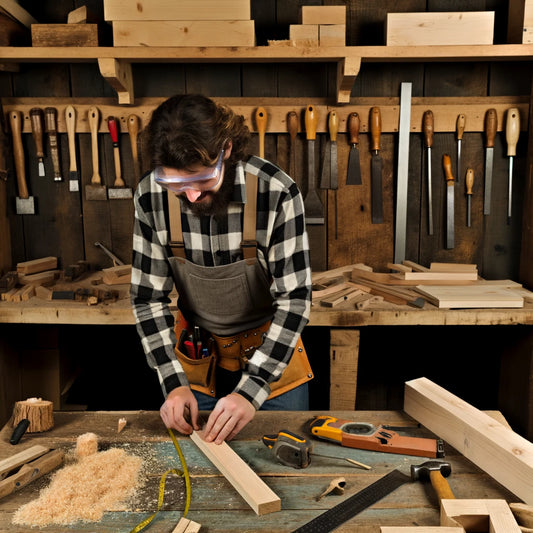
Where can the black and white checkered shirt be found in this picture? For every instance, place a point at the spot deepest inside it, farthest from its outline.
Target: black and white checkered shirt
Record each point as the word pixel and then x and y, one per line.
pixel 283 250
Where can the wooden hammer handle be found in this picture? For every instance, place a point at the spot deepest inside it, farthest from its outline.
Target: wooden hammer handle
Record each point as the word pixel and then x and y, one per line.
pixel 441 486
pixel 15 121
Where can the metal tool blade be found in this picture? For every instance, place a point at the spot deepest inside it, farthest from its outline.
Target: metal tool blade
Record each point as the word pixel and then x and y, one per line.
pixel 460 128
pixel 353 176
pixel 325 177
pixel 376 166
pixel 488 180
pixel 459 158
pixel 510 192
pixel 450 233
pixel 512 132
pixel 430 195
pixel 427 128
pixel 403 172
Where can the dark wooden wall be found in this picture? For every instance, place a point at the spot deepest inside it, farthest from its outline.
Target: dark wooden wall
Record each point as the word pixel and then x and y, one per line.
pixel 66 225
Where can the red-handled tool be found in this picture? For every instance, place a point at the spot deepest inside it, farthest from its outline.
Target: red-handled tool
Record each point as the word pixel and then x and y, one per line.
pixel 119 190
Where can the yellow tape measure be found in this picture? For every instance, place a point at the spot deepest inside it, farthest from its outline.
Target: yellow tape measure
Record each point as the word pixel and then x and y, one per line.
pixel 162 481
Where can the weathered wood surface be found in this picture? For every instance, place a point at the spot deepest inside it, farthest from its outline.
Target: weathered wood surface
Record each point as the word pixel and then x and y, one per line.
pixel 218 507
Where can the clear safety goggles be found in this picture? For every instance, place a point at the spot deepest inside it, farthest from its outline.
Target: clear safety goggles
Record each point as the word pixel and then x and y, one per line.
pixel 202 181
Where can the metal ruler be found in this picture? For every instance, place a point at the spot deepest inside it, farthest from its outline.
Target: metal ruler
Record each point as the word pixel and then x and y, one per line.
pixel 353 505
pixel 403 172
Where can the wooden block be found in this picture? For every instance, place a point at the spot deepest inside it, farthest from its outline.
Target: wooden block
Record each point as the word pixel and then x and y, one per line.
pixel 345 295
pixel 323 15
pixel 332 34
pixel 43 293
pixel 492 446
pixel 42 278
pixel 471 296
pixel 64 35
pixel 415 266
pixel 184 33
pixel 187 526
pixel 445 276
pixel 453 267
pixel 452 28
pixel 304 34
pixel 473 515
pixel 247 483
pixel 172 10
pixel 344 359
pixel 6 296
pixel 81 16
pixel 27 292
pixel 37 265
pixel 520 22
pixel 399 268
pixel 117 275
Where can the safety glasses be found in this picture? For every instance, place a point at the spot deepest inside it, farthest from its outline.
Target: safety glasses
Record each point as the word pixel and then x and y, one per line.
pixel 201 181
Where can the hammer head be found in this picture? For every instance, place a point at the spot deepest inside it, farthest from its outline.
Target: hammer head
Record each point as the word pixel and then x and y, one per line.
pixel 422 471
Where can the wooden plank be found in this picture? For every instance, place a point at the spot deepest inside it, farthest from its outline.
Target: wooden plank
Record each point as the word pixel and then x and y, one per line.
pixel 323 15
pixel 37 265
pixel 495 448
pixel 332 34
pixel 172 10
pixel 303 34
pixel 18 459
pixel 421 529
pixel 453 267
pixel 184 33
pixel 344 358
pixel 422 29
pixel 247 483
pixel 473 514
pixel 471 296
pixel 16 11
pixel 442 276
pixel 64 35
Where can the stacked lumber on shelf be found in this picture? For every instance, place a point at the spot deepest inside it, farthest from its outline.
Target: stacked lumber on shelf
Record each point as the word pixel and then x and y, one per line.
pixel 183 23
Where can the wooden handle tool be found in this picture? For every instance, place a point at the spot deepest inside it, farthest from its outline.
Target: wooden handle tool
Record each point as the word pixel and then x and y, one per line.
pixel 512 132
pixel 113 131
pixel 261 122
pixel 36 117
pixel 292 127
pixel 491 126
pixel 450 196
pixel 133 131
pixel 427 128
pixel 50 119
pixel 469 181
pixel 460 129
pixel 94 124
pixel 353 176
pixel 70 121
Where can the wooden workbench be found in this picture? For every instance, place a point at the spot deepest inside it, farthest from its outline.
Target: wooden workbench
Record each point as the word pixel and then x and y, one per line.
pixel 218 507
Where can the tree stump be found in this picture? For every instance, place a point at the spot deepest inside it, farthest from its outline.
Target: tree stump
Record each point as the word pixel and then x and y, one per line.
pixel 39 412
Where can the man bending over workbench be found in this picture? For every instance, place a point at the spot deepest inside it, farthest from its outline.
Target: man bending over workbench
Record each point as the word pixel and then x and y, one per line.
pixel 228 230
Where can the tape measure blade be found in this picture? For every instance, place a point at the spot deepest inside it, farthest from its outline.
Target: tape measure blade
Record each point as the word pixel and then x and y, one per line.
pixel 353 505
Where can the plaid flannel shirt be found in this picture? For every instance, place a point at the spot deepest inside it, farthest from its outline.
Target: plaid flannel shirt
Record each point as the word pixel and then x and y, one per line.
pixel 283 251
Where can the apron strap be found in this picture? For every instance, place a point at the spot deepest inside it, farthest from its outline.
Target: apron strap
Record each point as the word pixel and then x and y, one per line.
pixel 249 242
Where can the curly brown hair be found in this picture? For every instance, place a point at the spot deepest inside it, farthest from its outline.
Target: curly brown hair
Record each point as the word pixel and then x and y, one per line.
pixel 191 129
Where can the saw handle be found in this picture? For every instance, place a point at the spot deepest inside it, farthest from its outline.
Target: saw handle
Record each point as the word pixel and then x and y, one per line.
pixel 447 164
pixel 428 127
pixel 354 124
pixel 491 126
pixel 460 126
pixel 311 121
pixel 36 116
pixel 333 126
pixel 375 128
pixel 15 121
pixel 512 130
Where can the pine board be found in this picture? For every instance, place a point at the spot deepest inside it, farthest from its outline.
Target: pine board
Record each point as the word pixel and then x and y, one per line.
pixel 468 296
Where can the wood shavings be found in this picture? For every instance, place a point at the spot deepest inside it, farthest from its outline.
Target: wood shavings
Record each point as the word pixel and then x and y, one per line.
pixel 86 444
pixel 84 490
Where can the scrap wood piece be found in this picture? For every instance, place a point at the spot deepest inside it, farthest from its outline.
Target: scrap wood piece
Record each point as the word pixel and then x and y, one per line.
pixel 472 296
pixel 472 515
pixel 364 301
pixel 46 278
pixel 187 526
pixel 453 267
pixel 395 295
pixel 492 446
pixel 336 486
pixel 345 295
pixel 117 275
pixel 247 483
pixel 37 265
pixel 6 296
pixel 121 424
pixel 399 268
pixel 443 276
pixel 415 266
pixel 325 290
pixel 345 271
pixel 20 458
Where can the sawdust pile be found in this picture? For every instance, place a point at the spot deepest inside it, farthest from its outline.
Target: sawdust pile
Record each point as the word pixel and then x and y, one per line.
pixel 83 491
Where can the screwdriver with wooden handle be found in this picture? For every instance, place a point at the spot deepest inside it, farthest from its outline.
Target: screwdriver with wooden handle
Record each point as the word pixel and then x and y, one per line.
pixel 512 132
pixel 469 182
pixel 427 127
pixel 50 119
pixel 36 117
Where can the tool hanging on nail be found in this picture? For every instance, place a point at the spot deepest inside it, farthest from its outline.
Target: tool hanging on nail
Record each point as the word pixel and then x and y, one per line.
pixel 261 122
pixel 119 191
pixel 353 177
pixel 314 210
pixel 325 177
pixel 292 127
pixel 427 127
pixel 25 203
pixel 50 119
pixel 70 120
pixel 491 126
pixel 460 129
pixel 450 200
pixel 512 132
pixel 469 182
pixel 333 126
pixel 133 132
pixel 95 190
pixel 376 166
pixel 36 117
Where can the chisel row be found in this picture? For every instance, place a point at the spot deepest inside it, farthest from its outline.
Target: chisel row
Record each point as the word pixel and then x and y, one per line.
pixel 44 122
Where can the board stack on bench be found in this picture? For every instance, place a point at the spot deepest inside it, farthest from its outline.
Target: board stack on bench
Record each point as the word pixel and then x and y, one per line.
pixel 183 23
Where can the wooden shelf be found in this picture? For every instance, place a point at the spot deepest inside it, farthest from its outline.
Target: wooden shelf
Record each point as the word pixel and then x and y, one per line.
pixel 115 62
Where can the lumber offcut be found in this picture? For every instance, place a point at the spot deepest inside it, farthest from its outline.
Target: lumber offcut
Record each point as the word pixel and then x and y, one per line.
pixel 492 446
pixel 245 481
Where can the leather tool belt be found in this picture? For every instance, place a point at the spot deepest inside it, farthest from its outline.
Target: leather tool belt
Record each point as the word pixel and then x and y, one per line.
pixel 232 353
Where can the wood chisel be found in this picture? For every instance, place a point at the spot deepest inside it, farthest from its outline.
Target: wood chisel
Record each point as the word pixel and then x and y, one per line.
pixel 261 122
pixel 450 197
pixel 36 117
pixel 119 191
pixel 325 177
pixel 469 181
pixel 133 132
pixel 353 177
pixel 376 166
pixel 333 126
pixel 402 180
pixel 427 128
pixel 25 204
pixel 292 127
pixel 314 210
pixel 460 129
pixel 70 121
pixel 95 190
pixel 50 120
pixel 491 126
pixel 512 132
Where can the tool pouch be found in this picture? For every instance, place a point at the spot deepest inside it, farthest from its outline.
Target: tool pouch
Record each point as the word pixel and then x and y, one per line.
pixel 233 352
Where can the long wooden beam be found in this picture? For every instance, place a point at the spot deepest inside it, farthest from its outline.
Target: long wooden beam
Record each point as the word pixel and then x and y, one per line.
pixel 247 483
pixel 492 446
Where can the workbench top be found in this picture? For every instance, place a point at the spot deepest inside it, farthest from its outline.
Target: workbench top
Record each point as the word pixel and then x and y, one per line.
pixel 218 507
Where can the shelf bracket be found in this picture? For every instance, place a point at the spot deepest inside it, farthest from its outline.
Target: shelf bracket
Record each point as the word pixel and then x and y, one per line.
pixel 118 74
pixel 347 70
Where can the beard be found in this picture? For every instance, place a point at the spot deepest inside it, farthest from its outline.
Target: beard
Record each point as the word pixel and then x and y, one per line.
pixel 218 201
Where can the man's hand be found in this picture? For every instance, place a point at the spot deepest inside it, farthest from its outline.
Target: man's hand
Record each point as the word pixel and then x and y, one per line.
pixel 229 416
pixel 179 403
